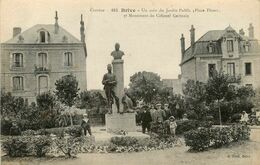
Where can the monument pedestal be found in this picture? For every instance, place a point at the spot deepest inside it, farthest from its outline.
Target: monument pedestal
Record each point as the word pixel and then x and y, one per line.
pixel 117 122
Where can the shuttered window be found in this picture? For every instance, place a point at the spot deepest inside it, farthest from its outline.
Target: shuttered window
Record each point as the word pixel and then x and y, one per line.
pixel 18 83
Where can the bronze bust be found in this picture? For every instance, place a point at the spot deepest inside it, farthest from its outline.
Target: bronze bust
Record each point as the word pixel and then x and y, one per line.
pixel 117 54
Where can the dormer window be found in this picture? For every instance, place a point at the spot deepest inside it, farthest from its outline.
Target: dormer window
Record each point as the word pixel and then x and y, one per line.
pixel 230 46
pixel 246 47
pixel 42 36
pixel 211 47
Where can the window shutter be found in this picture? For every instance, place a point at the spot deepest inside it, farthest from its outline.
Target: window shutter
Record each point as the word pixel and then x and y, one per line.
pixel 21 60
pixel 71 59
pixel 11 60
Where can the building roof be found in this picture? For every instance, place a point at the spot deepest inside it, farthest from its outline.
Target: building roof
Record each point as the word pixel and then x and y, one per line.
pixel 31 35
pixel 214 37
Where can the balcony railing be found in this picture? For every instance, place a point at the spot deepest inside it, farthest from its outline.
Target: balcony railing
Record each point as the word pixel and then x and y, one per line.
pixel 234 79
pixel 41 69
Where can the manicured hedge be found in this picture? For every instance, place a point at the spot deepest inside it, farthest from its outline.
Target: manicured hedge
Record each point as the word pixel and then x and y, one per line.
pixel 203 138
pixel 186 125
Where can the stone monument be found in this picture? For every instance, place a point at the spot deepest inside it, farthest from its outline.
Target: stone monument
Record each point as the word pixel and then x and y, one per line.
pixel 116 119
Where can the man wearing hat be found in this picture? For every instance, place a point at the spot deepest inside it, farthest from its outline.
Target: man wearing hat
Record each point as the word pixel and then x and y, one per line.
pixel 167 111
pixel 153 113
pixel 146 119
pixel 85 124
pixel 160 113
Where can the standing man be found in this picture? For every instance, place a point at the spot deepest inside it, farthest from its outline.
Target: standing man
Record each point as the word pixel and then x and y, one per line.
pixel 153 113
pixel 146 119
pixel 160 113
pixel 109 82
pixel 167 111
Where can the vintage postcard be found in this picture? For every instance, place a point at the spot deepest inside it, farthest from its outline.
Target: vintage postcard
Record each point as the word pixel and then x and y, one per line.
pixel 130 82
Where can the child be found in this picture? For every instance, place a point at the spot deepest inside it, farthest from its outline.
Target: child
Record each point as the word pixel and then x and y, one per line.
pixel 15 130
pixel 85 124
pixel 173 125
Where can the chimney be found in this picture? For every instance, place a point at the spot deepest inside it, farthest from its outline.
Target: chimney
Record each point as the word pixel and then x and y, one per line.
pixel 192 37
pixel 56 25
pixel 82 29
pixel 241 32
pixel 182 45
pixel 251 31
pixel 16 31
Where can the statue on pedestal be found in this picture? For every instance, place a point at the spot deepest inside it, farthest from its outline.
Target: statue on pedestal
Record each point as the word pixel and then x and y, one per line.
pixel 127 102
pixel 109 82
pixel 117 54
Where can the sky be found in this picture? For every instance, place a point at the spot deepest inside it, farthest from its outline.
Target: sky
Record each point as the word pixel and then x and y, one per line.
pixel 150 44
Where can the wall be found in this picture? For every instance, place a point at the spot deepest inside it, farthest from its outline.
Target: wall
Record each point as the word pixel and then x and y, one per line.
pixel 55 64
pixel 188 71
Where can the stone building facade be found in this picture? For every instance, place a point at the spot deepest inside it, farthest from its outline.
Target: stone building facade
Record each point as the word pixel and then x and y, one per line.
pixel 232 52
pixel 174 84
pixel 33 60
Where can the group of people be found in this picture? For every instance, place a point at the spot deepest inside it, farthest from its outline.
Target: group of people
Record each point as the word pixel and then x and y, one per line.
pixel 156 114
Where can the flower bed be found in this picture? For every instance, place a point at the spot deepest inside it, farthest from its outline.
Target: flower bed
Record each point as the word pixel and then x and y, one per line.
pixel 69 146
pixel 203 138
pixel 75 131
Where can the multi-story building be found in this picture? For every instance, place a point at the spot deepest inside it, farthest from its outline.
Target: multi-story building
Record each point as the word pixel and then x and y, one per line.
pixel 33 60
pixel 226 50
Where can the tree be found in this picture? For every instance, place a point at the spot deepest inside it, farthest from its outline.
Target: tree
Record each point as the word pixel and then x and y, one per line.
pixel 91 99
pixel 145 86
pixel 256 99
pixel 45 109
pixel 45 101
pixel 67 91
pixel 195 98
pixel 219 89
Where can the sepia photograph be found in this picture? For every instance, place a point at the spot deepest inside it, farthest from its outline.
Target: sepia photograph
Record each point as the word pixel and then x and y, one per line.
pixel 169 82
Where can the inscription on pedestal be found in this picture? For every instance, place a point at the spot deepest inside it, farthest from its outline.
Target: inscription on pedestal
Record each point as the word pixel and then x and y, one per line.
pixel 117 122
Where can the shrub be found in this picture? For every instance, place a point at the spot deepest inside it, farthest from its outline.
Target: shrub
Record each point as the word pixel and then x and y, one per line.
pixel 158 128
pixel 111 147
pixel 56 131
pixel 192 115
pixel 199 139
pixel 69 146
pixel 17 146
pixel 220 136
pixel 186 125
pixel 5 126
pixel 41 145
pixel 74 131
pixel 124 141
pixel 29 132
pixel 204 138
pixel 207 124
pixel 240 132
